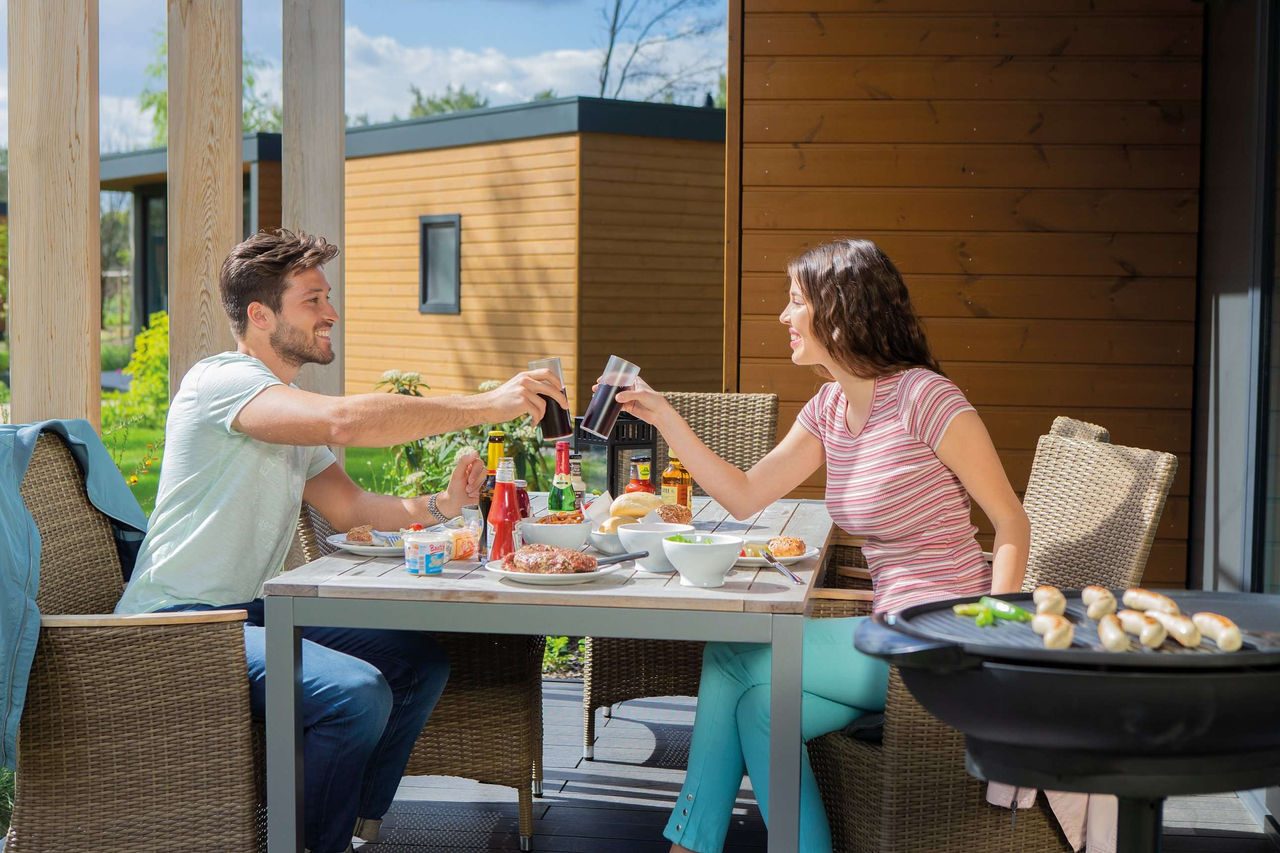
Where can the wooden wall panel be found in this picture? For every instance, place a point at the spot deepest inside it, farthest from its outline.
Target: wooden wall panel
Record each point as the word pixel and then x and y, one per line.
pixel 314 152
pixel 55 304
pixel 652 291
pixel 269 198
pixel 1031 166
pixel 519 208
pixel 206 176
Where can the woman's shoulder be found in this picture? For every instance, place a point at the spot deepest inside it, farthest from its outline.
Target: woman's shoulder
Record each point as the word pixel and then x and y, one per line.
pixel 919 385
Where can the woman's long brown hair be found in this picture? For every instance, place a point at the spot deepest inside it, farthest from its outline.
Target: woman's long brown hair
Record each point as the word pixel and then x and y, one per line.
pixel 861 311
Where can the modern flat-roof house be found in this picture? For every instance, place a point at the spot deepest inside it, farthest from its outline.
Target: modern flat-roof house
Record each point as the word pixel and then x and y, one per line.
pixel 578 227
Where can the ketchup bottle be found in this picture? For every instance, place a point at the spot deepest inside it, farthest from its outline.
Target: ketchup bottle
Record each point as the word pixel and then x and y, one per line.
pixel 504 513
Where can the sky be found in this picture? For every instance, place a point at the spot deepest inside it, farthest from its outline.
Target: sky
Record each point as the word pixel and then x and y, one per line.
pixel 507 49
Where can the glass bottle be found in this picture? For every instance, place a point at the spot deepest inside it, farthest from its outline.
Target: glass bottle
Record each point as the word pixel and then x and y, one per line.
pixel 641 481
pixel 522 498
pixel 561 497
pixel 504 512
pixel 494 451
pixel 677 484
pixel 575 477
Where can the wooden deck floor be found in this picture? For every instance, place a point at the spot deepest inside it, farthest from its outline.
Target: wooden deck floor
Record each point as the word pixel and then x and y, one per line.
pixel 619 802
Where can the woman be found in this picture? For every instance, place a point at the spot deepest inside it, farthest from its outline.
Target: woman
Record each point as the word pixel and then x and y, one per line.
pixel 904 452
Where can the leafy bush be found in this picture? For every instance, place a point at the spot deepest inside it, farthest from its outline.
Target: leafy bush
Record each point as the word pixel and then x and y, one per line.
pixel 424 466
pixel 4 393
pixel 562 659
pixel 146 403
pixel 114 356
pixel 6 799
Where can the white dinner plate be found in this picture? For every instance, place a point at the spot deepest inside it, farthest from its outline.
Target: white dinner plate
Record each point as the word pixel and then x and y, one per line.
pixel 339 540
pixel 760 562
pixel 533 579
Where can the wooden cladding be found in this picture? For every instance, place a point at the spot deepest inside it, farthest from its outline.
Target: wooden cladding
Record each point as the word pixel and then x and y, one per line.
pixel 1032 166
pixel 55 312
pixel 652 264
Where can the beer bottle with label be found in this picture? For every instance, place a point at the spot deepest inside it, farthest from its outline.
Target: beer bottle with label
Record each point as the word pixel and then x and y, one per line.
pixel 504 511
pixel 494 452
pixel 677 484
pixel 575 477
pixel 561 497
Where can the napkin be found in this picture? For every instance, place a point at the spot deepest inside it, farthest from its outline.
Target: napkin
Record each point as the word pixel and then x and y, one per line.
pixel 597 512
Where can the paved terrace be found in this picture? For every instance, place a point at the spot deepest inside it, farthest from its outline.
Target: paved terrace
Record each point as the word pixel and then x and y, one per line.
pixel 619 803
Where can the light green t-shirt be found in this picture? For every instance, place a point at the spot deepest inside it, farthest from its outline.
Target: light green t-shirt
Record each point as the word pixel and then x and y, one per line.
pixel 228 504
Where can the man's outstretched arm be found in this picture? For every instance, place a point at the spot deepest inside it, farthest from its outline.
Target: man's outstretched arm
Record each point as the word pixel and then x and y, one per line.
pixel 285 415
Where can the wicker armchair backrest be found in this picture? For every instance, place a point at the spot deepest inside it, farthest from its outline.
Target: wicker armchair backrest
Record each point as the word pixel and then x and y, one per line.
pixel 1094 508
pixel 1082 430
pixel 313 530
pixel 740 428
pixel 79 567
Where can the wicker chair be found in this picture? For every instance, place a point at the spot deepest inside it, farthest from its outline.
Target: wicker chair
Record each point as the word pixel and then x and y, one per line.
pixel 1082 430
pixel 741 429
pixel 1094 508
pixel 137 734
pixel 487 725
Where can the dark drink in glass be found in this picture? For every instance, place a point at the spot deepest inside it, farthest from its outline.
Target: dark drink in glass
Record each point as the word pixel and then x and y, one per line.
pixel 555 422
pixel 603 410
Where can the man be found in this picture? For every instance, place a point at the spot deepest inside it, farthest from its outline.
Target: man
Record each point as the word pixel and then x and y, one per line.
pixel 243 449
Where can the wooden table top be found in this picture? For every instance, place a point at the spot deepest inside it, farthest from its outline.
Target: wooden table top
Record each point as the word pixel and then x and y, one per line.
pixel 346 575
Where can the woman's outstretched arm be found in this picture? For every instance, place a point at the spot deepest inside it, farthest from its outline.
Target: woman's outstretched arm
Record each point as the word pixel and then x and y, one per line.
pixel 742 493
pixel 967 450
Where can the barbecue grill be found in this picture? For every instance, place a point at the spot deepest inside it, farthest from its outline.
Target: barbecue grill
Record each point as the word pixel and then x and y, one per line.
pixel 1142 724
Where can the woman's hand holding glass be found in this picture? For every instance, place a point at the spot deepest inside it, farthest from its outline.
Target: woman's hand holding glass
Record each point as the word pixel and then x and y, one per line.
pixel 648 405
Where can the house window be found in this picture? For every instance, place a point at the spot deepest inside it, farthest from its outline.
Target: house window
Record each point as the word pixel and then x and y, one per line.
pixel 440 264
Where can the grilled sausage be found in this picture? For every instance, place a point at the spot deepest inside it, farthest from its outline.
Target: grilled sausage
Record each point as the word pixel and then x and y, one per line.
pixel 1099 600
pixel 1049 599
pixel 1148 631
pixel 1220 629
pixel 1180 628
pixel 1057 630
pixel 1144 599
pixel 1113 637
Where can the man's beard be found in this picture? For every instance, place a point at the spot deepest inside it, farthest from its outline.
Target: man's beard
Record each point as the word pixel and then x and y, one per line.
pixel 297 348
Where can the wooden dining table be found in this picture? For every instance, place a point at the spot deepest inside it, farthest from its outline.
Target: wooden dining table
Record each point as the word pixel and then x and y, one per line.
pixel 756 605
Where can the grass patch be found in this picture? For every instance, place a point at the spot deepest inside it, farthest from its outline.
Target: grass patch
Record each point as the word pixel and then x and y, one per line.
pixel 6 799
pixel 365 466
pixel 129 447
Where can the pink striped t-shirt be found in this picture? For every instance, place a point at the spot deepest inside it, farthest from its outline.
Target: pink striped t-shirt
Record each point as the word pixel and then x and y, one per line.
pixel 888 485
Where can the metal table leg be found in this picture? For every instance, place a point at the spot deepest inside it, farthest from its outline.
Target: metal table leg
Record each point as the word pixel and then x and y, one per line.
pixel 785 741
pixel 284 727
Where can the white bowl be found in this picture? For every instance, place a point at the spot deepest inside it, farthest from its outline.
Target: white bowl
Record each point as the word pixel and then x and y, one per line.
pixel 648 537
pixel 565 535
pixel 706 561
pixel 607 543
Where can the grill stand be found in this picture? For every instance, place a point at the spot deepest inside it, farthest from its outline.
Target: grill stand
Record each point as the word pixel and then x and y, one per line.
pixel 1140 782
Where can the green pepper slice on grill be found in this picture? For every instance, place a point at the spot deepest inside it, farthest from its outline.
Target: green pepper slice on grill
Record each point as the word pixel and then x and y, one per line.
pixel 1005 610
pixel 971 608
pixel 986 617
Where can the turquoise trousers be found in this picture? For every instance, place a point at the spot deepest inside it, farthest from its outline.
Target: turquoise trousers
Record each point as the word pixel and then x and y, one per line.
pixel 731 731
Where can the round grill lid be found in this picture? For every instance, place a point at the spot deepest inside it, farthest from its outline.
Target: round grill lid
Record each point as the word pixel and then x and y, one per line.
pixel 1258 617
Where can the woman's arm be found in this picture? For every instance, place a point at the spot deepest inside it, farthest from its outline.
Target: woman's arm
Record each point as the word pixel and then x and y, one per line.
pixel 743 494
pixel 967 450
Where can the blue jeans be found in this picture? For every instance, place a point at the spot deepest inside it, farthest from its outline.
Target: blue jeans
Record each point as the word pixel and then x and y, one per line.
pixel 366 695
pixel 731 730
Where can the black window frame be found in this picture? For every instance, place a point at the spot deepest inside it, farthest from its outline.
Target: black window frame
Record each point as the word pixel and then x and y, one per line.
pixel 451 306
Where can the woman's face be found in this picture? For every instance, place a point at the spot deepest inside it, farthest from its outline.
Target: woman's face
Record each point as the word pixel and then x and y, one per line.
pixel 805 349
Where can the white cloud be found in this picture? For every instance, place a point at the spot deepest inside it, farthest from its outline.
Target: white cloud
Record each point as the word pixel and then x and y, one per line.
pixel 381 68
pixel 122 125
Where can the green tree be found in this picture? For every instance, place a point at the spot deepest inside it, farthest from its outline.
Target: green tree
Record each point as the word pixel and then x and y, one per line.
pixel 722 92
pixel 4 173
pixel 259 112
pixel 545 95
pixel 452 101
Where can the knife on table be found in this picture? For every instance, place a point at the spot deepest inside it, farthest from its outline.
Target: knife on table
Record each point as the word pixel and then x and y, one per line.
pixel 773 561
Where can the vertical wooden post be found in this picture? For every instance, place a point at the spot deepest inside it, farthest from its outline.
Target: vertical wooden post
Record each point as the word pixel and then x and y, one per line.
pixel 314 149
pixel 54 256
pixel 205 174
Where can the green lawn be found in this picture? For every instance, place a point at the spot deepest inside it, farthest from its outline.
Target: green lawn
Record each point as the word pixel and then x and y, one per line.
pixel 364 465
pixel 129 449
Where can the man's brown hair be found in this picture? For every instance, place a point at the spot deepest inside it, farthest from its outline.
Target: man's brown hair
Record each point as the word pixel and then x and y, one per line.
pixel 258 270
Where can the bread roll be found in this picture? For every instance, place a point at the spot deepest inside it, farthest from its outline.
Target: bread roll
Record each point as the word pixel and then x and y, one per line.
pixel 614 522
pixel 786 546
pixel 635 504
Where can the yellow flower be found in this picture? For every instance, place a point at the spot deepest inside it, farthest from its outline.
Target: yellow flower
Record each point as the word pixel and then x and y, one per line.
pixel 133 480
